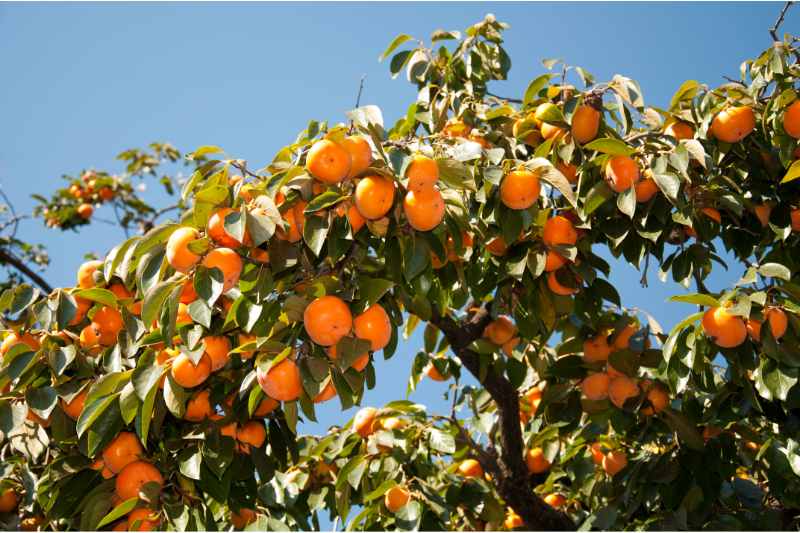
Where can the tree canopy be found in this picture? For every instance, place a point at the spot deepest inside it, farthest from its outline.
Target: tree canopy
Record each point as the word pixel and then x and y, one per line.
pixel 167 389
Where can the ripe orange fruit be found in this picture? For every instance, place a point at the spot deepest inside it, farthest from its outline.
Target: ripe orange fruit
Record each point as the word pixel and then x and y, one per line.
pixel 216 229
pixel 120 291
pixel 395 498
pixel 198 407
pixel 622 172
pixel 424 209
pixel 711 432
pixel 146 519
pixel 556 286
pixel 266 406
pixel 179 256
pixel 229 262
pixel 85 211
pixel 90 336
pixel 86 273
pixel 725 329
pixel 778 323
pixel 327 393
pixel 355 219
pixel 360 153
pixel 795 217
pixel 614 461
pixel 328 161
pixel 134 476
pixel 188 294
pixel 712 213
pixel 734 124
pixel 374 196
pixel 555 500
pixel 508 346
pixel 74 408
pixel 512 520
pixel 585 124
pixel 242 518
pixel 83 306
pixel 108 322
pixel 251 433
pixel 374 325
pixel 392 423
pixel 432 373
pixel 218 350
pixel 533 137
pixel 294 217
pixel 550 131
pixel 500 330
pixel 363 422
pixel 8 501
pixel 122 451
pixel 596 450
pixel 14 338
pixel 520 189
pixel 456 128
pixel 422 173
pixel 658 399
pixel 762 212
pixel 623 339
pixel 498 247
pixel 596 349
pixel 791 120
pixel 621 389
pixel 282 382
pixel 187 374
pixel 569 170
pixel 645 190
pixel 554 261
pixel 558 230
pixel 536 461
pixel 470 468
pixel 680 130
pixel 595 386
pixel 106 193
pixel 327 320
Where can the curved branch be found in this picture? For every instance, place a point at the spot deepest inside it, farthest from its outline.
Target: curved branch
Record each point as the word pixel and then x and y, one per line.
pixel 513 481
pixel 10 259
pixel 773 31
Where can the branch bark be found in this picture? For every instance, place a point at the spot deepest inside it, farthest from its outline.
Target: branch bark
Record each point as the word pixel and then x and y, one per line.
pixel 512 478
pixel 10 259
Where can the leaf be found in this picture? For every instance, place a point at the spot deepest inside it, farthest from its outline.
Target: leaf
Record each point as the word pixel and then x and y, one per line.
pixel 534 87
pixel 119 511
pixel 547 172
pixel 380 490
pixel 669 184
pixel 205 150
pixel 696 299
pixel 626 202
pixel 775 270
pixel 323 201
pixel 397 41
pixel 155 298
pixel 685 430
pixel 315 231
pixel 365 116
pixel 686 91
pixel 669 344
pixel 92 411
pixel 190 463
pixel 441 441
pixel 102 296
pixel 607 145
pixel 793 173
pixel 597 196
pixel 372 289
pixel 773 380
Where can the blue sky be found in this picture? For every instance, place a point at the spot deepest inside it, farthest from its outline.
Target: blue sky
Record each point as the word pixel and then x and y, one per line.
pixel 82 82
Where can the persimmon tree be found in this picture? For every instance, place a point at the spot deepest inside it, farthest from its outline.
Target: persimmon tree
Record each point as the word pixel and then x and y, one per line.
pixel 168 388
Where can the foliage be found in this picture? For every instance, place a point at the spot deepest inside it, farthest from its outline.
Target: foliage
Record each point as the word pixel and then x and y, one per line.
pixel 710 432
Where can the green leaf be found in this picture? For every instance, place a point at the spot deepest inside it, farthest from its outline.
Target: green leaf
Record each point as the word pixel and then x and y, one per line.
pixel 775 270
pixel 119 511
pixel 315 231
pixel 382 489
pixel 323 201
pixel 669 344
pixel 441 441
pixel 626 202
pixel 696 299
pixel 155 298
pixel 397 41
pixel 205 150
pixel 92 411
pixel 669 184
pixel 686 430
pixel 773 380
pixel 102 296
pixel 793 173
pixel 597 196
pixel 370 290
pixel 686 91
pixel 189 463
pixel 547 172
pixel 607 145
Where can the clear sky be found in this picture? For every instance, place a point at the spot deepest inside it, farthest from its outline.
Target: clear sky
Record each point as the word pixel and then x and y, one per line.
pixel 82 82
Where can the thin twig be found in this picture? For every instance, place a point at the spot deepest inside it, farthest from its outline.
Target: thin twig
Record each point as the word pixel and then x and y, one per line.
pixel 773 31
pixel 360 90
pixel 507 99
pixel 13 212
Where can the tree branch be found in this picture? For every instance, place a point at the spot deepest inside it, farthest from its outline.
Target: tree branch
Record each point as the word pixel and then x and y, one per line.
pixel 513 480
pixel 512 100
pixel 10 259
pixel 773 31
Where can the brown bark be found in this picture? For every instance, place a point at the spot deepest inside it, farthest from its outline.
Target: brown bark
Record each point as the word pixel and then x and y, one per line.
pixel 511 476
